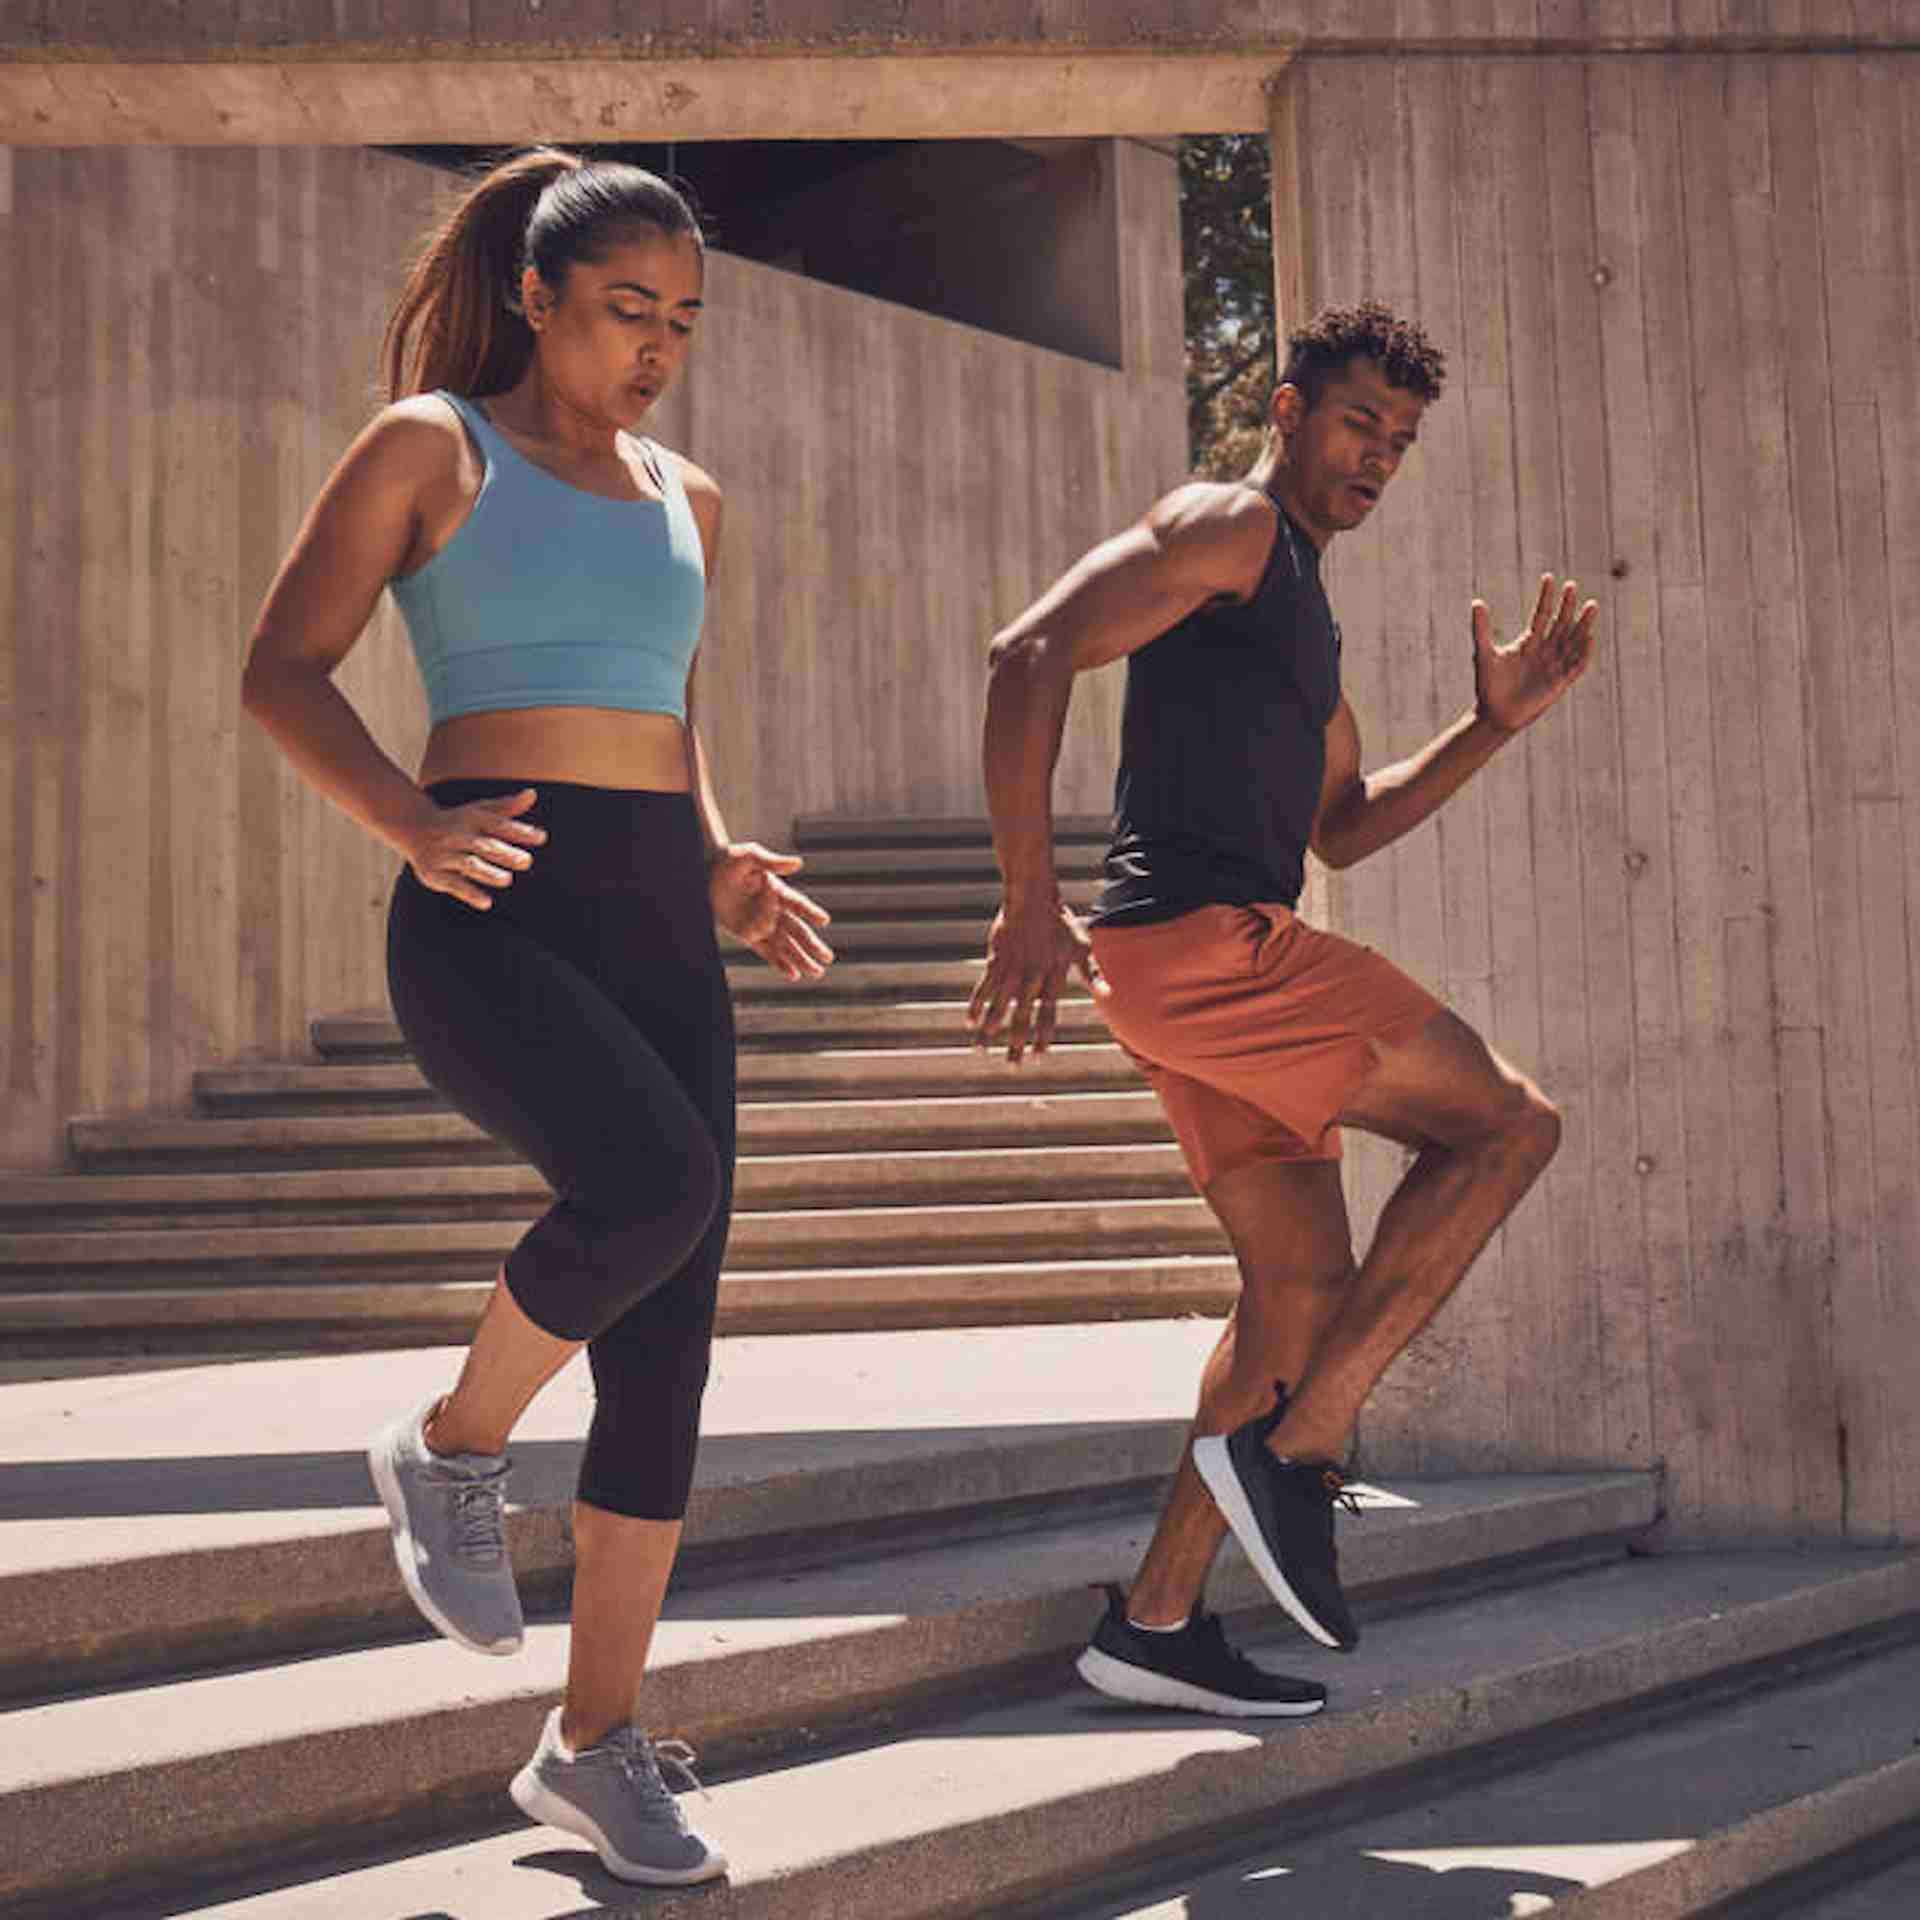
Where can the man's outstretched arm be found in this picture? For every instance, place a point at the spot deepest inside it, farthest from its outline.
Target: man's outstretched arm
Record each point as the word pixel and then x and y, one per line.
pixel 1514 685
pixel 1199 542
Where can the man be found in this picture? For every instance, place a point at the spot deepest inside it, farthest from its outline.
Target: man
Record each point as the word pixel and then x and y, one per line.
pixel 1263 1036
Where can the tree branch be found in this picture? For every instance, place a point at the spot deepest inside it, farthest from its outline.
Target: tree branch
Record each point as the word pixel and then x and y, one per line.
pixel 1221 382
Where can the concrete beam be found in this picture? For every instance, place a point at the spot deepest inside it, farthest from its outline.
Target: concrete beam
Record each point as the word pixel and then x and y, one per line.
pixel 480 72
pixel 456 101
pixel 270 30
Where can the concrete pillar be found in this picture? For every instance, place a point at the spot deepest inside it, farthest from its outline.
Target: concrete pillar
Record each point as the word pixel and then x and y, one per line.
pixel 1291 277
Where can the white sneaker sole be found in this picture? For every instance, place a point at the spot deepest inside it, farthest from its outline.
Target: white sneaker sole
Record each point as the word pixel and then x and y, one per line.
pixel 1120 1681
pixel 1215 1467
pixel 387 1484
pixel 539 1802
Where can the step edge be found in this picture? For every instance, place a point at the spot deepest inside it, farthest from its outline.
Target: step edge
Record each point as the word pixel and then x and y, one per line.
pixel 1238 1785
pixel 1546 1509
pixel 350 1567
pixel 1768 1846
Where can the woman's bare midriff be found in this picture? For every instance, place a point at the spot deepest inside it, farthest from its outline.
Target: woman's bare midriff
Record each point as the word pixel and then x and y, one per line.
pixel 587 746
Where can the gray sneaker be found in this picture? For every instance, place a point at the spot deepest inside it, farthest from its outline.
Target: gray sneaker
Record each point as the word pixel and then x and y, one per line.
pixel 449 1535
pixel 613 1797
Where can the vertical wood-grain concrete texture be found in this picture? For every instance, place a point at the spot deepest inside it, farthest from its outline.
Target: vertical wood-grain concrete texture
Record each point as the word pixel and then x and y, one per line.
pixel 469 71
pixel 191 352
pixel 1681 302
pixel 178 378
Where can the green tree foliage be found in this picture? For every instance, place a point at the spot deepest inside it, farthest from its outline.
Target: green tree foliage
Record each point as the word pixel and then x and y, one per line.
pixel 1226 223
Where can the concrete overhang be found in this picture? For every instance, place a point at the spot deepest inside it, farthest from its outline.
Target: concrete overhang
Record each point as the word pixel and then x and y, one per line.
pixel 465 72
pixel 484 99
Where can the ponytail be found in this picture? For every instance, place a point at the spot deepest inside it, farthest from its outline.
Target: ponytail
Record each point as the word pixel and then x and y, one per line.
pixel 457 324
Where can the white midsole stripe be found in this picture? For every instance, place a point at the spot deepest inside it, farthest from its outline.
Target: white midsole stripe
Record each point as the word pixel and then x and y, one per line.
pixel 1215 1467
pixel 1117 1678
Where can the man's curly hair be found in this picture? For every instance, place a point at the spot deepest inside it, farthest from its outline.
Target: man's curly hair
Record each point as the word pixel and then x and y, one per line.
pixel 1318 351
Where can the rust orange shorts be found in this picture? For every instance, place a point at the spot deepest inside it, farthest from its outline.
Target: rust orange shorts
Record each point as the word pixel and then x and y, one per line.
pixel 1253 1027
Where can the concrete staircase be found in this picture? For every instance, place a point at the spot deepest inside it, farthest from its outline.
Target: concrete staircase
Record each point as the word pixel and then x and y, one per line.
pixel 216 1701
pixel 890 1175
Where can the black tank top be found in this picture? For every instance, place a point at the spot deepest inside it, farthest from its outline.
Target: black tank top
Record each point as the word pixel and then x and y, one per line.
pixel 1222 747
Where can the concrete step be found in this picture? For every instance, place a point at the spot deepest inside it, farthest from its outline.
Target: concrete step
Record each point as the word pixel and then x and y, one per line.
pixel 763 1182
pixel 1663 1816
pixel 913 892
pixel 952 936
pixel 851 981
pixel 762 1026
pixel 813 832
pixel 350 1309
pixel 1073 860
pixel 845 1071
pixel 746 1668
pixel 213 1514
pixel 776 1240
pixel 1879 1881
pixel 987 1809
pixel 435 1136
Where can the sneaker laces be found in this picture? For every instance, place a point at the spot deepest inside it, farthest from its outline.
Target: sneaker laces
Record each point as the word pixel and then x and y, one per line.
pixel 479 1516
pixel 640 1758
pixel 1339 1494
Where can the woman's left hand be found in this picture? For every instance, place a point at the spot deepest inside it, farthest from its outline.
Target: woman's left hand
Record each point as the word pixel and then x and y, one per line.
pixel 754 904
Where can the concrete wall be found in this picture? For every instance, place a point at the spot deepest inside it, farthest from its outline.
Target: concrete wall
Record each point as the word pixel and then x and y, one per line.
pixel 1680 300
pixel 188 352
pixel 177 373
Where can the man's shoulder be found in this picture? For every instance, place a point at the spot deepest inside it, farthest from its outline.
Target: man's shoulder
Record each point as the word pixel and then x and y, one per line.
pixel 1218 533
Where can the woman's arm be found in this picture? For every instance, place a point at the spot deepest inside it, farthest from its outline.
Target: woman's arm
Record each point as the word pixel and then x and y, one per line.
pixel 750 899
pixel 706 804
pixel 356 536
pixel 359 533
pixel 704 497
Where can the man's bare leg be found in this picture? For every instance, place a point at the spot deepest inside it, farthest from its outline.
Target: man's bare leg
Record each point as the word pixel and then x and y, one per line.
pixel 1288 1225
pixel 1485 1134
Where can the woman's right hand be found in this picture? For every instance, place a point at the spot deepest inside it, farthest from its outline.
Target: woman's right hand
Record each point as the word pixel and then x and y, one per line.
pixel 467 850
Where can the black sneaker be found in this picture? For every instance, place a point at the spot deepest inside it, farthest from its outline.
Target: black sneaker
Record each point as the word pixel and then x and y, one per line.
pixel 1194 1668
pixel 1282 1515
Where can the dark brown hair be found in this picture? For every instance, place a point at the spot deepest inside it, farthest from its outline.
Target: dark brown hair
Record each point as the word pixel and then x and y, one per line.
pixel 1335 335
pixel 457 323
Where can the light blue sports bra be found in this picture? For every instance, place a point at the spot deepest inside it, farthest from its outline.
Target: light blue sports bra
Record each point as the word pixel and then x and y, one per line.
pixel 550 597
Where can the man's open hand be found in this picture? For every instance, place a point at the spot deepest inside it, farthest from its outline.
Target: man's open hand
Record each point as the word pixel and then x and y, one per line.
pixel 1029 955
pixel 1516 684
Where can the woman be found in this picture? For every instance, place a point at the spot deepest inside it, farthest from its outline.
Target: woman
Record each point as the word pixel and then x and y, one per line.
pixel 551 948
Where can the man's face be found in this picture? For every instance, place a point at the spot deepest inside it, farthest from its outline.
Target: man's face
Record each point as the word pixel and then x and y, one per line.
pixel 1346 447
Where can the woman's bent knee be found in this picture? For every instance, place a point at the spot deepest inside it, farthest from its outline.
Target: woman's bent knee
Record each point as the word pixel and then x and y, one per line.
pixel 659 1212
pixel 601 1249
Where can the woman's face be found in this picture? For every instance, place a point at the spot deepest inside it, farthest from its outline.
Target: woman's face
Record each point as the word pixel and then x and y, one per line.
pixel 613 338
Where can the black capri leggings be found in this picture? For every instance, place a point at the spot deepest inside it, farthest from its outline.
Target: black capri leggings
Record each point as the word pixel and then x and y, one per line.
pixel 584 1020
